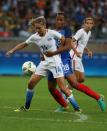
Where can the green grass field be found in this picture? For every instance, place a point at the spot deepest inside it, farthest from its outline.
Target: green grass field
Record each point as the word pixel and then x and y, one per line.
pixel 42 117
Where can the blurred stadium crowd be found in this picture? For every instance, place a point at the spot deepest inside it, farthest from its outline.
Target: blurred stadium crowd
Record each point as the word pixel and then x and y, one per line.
pixel 15 14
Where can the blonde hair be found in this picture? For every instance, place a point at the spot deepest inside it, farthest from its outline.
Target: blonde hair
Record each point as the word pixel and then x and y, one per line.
pixel 39 20
pixel 88 18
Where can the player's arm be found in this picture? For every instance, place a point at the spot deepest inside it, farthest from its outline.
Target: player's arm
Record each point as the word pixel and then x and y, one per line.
pixel 16 48
pixel 75 38
pixel 22 45
pixel 65 41
pixel 65 46
pixel 88 51
pixel 78 54
pixel 68 43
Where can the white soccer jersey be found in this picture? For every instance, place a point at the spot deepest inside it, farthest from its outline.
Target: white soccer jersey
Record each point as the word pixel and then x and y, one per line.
pixel 81 38
pixel 46 43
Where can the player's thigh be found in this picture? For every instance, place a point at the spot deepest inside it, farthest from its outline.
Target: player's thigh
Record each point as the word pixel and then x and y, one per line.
pixel 41 69
pixel 80 76
pixel 60 81
pixel 61 84
pixel 52 84
pixel 72 80
pixel 77 65
pixel 51 81
pixel 79 70
pixel 57 70
pixel 67 69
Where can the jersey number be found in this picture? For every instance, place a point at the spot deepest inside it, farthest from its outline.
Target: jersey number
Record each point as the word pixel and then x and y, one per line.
pixel 44 48
pixel 66 67
pixel 58 69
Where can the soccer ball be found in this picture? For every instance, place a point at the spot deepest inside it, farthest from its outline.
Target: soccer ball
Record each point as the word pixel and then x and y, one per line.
pixel 28 68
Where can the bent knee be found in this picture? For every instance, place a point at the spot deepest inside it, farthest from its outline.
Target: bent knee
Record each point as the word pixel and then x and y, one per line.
pixel 51 88
pixel 81 80
pixel 31 85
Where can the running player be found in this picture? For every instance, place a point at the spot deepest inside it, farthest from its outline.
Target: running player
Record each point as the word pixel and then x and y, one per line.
pixel 72 78
pixel 65 57
pixel 45 40
pixel 81 39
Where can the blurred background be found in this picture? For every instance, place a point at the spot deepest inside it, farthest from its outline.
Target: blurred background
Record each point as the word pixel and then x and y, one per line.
pixel 14 17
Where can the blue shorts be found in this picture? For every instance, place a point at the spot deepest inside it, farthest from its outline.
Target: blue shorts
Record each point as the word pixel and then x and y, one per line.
pixel 67 69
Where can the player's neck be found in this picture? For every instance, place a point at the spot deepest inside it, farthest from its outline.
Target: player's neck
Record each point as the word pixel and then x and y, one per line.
pixel 43 33
pixel 86 30
pixel 60 28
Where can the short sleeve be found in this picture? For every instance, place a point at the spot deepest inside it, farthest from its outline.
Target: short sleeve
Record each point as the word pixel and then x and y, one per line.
pixel 30 40
pixel 78 35
pixel 56 34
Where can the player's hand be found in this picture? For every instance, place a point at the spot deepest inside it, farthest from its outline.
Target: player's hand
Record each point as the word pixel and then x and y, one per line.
pixel 49 53
pixel 9 53
pixel 78 54
pixel 42 57
pixel 90 54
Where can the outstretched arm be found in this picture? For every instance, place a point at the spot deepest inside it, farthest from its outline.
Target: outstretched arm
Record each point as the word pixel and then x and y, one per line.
pixel 16 48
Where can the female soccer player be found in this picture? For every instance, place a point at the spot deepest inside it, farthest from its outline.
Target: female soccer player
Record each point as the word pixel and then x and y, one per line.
pixel 45 39
pixel 81 39
pixel 71 77
pixel 65 57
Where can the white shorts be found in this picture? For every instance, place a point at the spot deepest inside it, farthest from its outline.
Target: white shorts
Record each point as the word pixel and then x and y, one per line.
pixel 77 65
pixel 55 68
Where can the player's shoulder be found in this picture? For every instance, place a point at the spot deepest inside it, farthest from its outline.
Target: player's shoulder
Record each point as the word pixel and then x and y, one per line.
pixel 81 30
pixel 51 31
pixel 34 35
pixel 67 29
pixel 89 32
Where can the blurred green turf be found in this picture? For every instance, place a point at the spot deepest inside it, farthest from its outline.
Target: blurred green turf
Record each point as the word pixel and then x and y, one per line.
pixel 42 117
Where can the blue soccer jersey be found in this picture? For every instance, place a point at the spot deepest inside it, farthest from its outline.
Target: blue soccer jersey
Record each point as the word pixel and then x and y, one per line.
pixel 67 33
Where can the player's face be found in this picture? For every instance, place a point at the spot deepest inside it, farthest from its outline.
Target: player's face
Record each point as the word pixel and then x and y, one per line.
pixel 39 28
pixel 60 21
pixel 89 24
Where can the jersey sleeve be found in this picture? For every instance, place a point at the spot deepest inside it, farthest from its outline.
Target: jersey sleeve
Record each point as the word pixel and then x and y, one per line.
pixel 68 32
pixel 56 34
pixel 78 35
pixel 30 40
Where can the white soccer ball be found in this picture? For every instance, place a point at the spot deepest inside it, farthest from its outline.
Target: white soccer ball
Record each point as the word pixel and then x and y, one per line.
pixel 28 68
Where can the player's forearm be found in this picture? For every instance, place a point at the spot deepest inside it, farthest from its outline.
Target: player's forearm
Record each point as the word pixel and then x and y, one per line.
pixel 73 47
pixel 19 47
pixel 65 47
pixel 61 49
